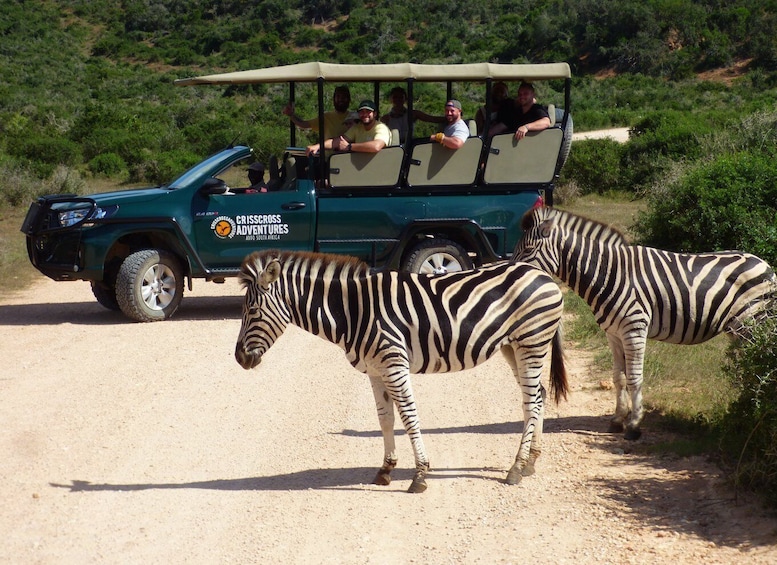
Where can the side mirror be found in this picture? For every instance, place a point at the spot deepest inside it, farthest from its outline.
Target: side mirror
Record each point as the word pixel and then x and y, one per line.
pixel 213 186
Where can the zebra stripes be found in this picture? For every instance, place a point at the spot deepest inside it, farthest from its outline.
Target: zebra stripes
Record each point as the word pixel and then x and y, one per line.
pixel 392 324
pixel 638 292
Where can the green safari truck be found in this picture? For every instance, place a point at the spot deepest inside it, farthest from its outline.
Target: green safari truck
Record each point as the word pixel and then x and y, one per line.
pixel 414 205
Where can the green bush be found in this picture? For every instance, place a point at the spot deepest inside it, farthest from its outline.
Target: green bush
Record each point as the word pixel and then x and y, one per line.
pixel 21 187
pixel 656 141
pixel 749 430
pixel 108 165
pixel 163 167
pixel 729 203
pixel 594 165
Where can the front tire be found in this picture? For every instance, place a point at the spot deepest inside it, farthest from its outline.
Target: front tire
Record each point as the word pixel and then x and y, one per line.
pixel 105 295
pixel 438 257
pixel 149 285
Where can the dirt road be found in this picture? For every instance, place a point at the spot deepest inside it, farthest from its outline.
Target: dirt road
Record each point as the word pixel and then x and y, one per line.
pixel 147 443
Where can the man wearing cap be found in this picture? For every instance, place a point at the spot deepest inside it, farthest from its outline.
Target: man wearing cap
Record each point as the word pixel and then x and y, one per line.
pixel 455 132
pixel 334 122
pixel 367 136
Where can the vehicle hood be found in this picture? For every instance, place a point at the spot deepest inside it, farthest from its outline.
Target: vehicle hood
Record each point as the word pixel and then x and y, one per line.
pixel 132 196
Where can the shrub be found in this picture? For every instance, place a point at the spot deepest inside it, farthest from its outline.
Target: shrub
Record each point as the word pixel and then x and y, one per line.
pixel 729 203
pixel 108 165
pixel 657 141
pixel 749 430
pixel 594 166
pixel 162 168
pixel 20 187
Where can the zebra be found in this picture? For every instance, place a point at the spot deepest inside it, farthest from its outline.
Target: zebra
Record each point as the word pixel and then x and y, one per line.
pixel 391 324
pixel 639 292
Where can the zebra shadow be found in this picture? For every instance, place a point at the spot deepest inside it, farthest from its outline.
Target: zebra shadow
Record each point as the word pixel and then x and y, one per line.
pixel 346 478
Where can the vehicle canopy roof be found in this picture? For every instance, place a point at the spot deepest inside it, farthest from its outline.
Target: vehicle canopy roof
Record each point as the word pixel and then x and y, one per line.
pixel 396 72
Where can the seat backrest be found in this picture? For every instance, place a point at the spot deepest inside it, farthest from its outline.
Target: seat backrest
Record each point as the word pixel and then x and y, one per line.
pixel 431 164
pixel 552 114
pixel 473 128
pixel 530 160
pixel 395 140
pixel 381 169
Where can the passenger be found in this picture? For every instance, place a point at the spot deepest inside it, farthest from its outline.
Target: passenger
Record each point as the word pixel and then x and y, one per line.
pixel 351 120
pixel 499 93
pixel 521 115
pixel 368 136
pixel 256 178
pixel 455 132
pixel 334 122
pixel 396 118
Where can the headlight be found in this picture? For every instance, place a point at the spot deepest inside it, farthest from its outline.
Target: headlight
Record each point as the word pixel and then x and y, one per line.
pixel 72 217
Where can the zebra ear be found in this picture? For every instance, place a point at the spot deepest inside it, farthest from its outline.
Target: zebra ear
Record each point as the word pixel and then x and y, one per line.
pixel 546 227
pixel 270 274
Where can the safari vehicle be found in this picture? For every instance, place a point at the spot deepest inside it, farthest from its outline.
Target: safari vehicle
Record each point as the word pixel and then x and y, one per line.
pixel 415 206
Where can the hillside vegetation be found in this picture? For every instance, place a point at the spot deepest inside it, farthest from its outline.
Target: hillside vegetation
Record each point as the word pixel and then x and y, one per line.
pixel 88 83
pixel 88 99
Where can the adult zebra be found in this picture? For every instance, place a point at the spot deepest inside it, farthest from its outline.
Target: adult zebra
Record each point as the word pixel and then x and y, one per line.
pixel 639 292
pixel 391 324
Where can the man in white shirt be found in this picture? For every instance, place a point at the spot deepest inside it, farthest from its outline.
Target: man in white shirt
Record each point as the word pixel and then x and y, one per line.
pixel 456 131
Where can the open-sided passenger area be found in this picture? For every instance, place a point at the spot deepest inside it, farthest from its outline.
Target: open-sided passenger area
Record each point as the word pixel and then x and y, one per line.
pixel 432 164
pixel 381 169
pixel 531 160
pixel 505 161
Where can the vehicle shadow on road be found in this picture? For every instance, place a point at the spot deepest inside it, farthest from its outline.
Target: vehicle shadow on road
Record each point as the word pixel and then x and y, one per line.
pixel 92 314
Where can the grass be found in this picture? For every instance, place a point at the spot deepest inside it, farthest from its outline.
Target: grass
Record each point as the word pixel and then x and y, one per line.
pixel 16 272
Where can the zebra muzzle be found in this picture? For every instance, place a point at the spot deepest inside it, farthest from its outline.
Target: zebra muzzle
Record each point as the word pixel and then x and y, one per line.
pixel 247 359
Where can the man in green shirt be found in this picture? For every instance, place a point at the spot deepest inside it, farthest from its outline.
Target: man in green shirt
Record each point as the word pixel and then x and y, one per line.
pixel 368 136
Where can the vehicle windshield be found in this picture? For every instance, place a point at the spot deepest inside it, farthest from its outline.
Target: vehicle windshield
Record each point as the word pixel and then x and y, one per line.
pixel 204 168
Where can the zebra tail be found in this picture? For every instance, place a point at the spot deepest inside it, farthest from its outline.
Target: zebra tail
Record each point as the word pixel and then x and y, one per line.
pixel 559 386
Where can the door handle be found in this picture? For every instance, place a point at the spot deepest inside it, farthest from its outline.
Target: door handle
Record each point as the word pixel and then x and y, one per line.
pixel 293 206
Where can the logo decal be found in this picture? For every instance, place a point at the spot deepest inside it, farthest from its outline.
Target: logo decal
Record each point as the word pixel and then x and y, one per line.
pixel 223 227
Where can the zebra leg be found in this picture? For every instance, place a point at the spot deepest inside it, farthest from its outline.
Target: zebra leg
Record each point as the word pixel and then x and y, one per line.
pixel 635 359
pixel 385 408
pixel 619 382
pixel 528 375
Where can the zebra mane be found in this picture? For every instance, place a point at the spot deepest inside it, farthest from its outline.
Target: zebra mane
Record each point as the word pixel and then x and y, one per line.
pixel 586 227
pixel 255 263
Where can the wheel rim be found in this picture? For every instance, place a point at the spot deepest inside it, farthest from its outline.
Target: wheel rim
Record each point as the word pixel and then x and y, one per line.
pixel 158 287
pixel 440 264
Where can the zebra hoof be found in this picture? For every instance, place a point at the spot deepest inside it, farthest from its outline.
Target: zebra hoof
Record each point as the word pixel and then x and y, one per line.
pixel 632 434
pixel 514 476
pixel 528 470
pixel 615 427
pixel 417 486
pixel 382 478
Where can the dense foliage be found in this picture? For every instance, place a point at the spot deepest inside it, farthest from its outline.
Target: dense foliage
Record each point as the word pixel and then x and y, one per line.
pixel 88 83
pixel 750 428
pixel 728 200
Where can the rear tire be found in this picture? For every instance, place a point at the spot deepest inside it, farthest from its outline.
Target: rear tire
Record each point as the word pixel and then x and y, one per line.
pixel 438 257
pixel 566 144
pixel 149 285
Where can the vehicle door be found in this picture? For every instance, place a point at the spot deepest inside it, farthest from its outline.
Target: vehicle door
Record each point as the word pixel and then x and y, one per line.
pixel 230 226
